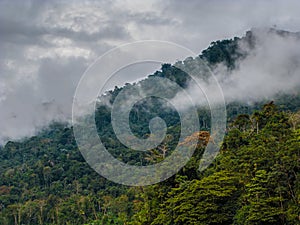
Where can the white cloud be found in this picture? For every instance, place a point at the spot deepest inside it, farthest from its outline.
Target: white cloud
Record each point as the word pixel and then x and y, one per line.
pixel 271 68
pixel 46 45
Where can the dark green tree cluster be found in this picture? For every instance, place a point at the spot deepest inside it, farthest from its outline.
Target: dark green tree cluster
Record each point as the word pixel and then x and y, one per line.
pixel 225 51
pixel 254 180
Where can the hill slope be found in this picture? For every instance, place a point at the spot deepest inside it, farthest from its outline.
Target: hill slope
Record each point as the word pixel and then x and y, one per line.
pixel 255 179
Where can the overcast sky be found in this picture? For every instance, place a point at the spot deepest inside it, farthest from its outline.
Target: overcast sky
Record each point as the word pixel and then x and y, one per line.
pixel 45 46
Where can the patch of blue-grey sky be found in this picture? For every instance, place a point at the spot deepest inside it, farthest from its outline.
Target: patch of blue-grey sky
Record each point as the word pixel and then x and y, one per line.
pixel 45 46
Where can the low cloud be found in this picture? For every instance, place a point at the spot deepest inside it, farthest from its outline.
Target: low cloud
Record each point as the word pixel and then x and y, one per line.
pixel 272 67
pixel 46 45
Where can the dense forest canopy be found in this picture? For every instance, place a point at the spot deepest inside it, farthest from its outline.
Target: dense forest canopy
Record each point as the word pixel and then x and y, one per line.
pixel 254 180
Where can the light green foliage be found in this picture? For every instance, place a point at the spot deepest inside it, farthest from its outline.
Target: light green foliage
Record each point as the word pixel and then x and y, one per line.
pixel 254 180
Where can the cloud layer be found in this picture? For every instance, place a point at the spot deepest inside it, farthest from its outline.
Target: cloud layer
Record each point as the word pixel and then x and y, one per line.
pixel 45 46
pixel 272 67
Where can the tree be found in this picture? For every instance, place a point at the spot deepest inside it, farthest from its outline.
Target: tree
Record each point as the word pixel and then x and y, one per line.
pixel 260 205
pixel 206 201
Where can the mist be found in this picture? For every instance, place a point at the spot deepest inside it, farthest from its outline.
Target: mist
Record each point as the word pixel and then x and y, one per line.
pixel 30 104
pixel 272 67
pixel 45 47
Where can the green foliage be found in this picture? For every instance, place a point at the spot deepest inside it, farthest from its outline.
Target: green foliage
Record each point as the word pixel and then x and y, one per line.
pixel 205 201
pixel 225 51
pixel 254 180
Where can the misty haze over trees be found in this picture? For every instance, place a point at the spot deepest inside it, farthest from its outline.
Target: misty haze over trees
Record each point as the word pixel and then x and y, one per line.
pixel 254 180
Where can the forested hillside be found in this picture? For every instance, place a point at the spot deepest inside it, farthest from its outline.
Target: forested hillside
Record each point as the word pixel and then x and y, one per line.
pixel 254 179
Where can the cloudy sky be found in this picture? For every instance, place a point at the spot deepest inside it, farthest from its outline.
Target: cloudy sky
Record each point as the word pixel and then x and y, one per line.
pixel 45 46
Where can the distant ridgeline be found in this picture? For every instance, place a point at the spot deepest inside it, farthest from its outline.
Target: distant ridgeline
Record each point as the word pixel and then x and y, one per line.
pixel 45 180
pixel 226 52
